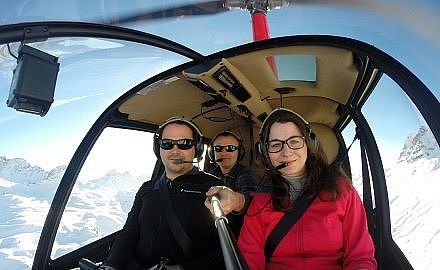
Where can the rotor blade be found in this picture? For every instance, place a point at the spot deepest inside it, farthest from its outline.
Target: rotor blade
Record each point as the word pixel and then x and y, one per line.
pixel 204 8
pixel 419 18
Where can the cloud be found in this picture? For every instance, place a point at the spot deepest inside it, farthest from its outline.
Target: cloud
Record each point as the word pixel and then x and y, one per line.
pixel 91 43
pixel 8 117
pixel 61 102
pixel 421 19
pixel 56 103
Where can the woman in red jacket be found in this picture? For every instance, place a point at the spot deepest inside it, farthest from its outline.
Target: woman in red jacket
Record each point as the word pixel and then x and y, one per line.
pixel 332 233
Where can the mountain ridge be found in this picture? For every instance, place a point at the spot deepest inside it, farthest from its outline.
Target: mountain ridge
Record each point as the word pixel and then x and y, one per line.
pixel 420 144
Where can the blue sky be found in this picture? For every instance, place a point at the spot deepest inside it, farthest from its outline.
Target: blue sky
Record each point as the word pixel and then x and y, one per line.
pixel 89 80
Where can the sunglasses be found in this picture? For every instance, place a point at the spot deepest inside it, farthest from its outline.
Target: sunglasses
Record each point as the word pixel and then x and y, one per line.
pixel 182 144
pixel 228 148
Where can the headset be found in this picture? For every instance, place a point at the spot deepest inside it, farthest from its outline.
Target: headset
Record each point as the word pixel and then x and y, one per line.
pixel 241 150
pixel 197 136
pixel 272 118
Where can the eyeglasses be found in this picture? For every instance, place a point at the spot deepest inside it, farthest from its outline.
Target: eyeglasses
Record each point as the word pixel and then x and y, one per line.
pixel 228 148
pixel 294 142
pixel 182 144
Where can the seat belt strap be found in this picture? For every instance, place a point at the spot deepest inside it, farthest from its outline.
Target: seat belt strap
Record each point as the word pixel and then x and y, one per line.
pixel 366 188
pixel 286 223
pixel 173 222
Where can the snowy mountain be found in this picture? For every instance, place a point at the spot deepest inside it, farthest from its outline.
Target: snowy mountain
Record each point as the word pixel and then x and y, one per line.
pixel 96 208
pixel 413 191
pixel 420 145
pixel 18 170
pixel 99 206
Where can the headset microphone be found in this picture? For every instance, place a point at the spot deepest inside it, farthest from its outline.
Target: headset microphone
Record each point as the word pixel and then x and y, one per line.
pixel 181 161
pixel 219 160
pixel 282 165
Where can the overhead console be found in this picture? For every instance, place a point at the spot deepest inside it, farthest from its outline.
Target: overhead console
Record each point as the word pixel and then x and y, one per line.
pixel 226 84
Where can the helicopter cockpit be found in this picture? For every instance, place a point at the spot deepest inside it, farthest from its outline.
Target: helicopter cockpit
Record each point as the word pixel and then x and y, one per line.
pixel 373 111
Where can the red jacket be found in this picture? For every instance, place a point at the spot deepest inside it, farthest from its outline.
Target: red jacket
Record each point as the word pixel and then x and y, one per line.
pixel 331 235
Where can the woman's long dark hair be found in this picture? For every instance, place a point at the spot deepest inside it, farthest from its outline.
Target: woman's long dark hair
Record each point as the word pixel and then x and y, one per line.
pixel 319 175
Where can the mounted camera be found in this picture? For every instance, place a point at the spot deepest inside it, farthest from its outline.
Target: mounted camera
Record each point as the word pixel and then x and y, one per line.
pixel 33 83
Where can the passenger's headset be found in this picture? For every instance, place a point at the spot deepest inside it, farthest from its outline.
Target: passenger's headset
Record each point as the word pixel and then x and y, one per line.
pixel 241 150
pixel 197 136
pixel 273 117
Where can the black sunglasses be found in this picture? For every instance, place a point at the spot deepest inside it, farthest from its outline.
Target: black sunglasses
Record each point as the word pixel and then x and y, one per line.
pixel 182 144
pixel 228 148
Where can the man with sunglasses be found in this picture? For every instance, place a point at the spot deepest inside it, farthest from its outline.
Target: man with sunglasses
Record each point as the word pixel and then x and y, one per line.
pixel 226 151
pixel 168 226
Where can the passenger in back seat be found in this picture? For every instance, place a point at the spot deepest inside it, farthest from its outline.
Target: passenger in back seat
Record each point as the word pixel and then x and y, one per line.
pixel 226 151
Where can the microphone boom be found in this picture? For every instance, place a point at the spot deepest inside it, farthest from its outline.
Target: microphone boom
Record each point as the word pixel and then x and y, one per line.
pixel 181 161
pixel 282 165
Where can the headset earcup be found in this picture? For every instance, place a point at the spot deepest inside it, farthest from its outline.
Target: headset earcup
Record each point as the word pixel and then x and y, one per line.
pixel 241 152
pixel 314 139
pixel 211 155
pixel 199 150
pixel 156 147
pixel 259 149
pixel 262 154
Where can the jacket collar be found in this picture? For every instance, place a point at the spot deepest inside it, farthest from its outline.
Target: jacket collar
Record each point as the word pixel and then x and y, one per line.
pixel 164 179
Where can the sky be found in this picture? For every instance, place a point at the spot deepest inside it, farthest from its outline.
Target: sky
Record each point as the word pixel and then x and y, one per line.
pixel 93 73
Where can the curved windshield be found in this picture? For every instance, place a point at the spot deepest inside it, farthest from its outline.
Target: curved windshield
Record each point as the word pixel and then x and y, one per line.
pixel 34 150
pixel 411 159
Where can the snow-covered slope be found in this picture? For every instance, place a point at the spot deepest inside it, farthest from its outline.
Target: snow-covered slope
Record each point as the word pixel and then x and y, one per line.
pixel 414 193
pixel 96 208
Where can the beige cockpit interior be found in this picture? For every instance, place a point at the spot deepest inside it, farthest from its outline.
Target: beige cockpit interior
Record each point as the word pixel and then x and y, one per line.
pixel 237 92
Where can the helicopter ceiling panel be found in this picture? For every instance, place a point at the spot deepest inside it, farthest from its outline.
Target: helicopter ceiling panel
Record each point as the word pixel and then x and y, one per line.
pixel 336 72
pixel 248 85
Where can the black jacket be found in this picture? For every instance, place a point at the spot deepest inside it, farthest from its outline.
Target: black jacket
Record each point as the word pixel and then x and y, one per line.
pixel 241 178
pixel 146 236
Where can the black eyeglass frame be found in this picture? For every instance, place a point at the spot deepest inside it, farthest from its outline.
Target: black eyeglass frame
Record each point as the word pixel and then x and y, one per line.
pixel 229 148
pixel 182 144
pixel 285 142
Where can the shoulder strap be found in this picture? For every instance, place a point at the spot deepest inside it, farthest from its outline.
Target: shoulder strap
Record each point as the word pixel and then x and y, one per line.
pixel 286 223
pixel 173 222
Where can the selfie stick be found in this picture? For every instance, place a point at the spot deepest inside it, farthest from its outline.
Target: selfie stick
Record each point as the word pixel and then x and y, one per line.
pixel 230 254
pixel 86 264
